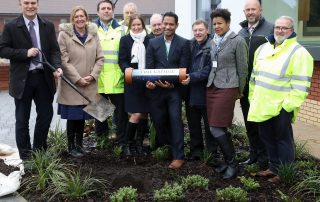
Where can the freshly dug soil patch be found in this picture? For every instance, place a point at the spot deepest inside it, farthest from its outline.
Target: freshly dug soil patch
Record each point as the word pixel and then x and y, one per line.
pixel 5 169
pixel 148 175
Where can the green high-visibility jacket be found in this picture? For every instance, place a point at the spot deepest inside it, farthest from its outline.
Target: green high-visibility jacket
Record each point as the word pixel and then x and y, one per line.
pixel 111 78
pixel 280 79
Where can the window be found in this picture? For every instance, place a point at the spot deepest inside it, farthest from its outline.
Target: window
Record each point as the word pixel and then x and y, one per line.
pixel 309 14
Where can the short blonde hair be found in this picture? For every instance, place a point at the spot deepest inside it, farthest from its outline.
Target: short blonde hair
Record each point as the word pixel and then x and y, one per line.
pixel 75 10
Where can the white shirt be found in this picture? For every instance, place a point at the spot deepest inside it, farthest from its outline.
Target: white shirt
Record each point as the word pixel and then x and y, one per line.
pixel 36 29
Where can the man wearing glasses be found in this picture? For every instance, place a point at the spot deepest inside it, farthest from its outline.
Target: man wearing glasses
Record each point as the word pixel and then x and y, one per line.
pixel 279 84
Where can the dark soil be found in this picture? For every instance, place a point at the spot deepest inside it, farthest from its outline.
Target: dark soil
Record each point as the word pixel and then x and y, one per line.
pixel 5 169
pixel 147 175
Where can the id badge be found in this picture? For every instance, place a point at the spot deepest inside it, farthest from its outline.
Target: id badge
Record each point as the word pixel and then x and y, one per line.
pixel 214 64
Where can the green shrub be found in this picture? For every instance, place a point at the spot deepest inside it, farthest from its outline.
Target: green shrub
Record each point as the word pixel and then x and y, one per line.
pixel 207 157
pixel 308 186
pixel 239 132
pixel 288 173
pixel 232 194
pixel 57 139
pixel 161 153
pixel 169 193
pixel 242 156
pixel 311 172
pixel 152 136
pixel 253 168
pixel 194 182
pixel 249 183
pixel 117 151
pixel 125 194
pixel 72 186
pixel 103 142
pixel 306 164
pixel 301 150
pixel 43 165
pixel 287 198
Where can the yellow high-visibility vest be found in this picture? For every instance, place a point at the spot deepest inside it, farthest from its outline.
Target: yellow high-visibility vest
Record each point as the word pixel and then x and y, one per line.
pixel 281 78
pixel 111 78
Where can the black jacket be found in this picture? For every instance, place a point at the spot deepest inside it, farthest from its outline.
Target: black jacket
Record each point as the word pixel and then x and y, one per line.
pixel 199 71
pixel 258 37
pixel 14 44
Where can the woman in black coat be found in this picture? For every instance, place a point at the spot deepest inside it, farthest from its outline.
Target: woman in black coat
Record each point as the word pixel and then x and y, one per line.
pixel 132 54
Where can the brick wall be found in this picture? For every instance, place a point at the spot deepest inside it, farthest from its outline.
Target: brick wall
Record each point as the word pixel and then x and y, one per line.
pixel 310 110
pixel 4 76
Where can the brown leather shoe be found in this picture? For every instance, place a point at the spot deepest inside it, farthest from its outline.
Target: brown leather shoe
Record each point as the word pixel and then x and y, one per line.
pixel 274 179
pixel 176 164
pixel 265 173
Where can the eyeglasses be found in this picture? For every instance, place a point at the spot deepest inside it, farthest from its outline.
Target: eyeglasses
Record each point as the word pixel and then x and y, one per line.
pixel 277 28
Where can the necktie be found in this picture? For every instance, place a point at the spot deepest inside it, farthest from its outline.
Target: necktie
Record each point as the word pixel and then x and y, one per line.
pixel 251 29
pixel 34 41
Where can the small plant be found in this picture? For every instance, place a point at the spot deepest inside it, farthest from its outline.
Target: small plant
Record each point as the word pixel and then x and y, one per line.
pixel 300 150
pixel 43 165
pixel 287 198
pixel 306 164
pixel 117 151
pixel 152 136
pixel 239 132
pixel 72 186
pixel 311 172
pixel 194 182
pixel 288 173
pixel 127 194
pixel 57 139
pixel 169 193
pixel 161 153
pixel 309 186
pixel 253 168
pixel 242 156
pixel 249 183
pixel 232 194
pixel 103 142
pixel 207 156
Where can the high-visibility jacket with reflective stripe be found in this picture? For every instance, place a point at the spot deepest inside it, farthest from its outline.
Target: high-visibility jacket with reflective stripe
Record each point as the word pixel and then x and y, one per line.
pixel 111 78
pixel 281 78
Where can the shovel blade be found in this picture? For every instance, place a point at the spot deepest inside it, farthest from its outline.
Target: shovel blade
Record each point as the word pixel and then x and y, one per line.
pixel 101 108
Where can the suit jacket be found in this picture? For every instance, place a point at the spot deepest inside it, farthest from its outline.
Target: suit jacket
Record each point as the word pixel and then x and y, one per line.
pixel 178 57
pixel 232 67
pixel 14 44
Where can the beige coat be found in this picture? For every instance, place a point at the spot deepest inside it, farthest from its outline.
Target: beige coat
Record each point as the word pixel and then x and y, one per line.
pixel 79 60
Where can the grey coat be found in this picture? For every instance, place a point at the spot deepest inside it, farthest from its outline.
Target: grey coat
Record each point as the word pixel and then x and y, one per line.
pixel 232 69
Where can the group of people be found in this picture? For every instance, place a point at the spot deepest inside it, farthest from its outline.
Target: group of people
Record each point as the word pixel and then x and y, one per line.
pixel 263 65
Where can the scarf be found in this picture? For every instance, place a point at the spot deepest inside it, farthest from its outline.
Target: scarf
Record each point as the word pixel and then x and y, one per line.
pixel 218 40
pixel 138 51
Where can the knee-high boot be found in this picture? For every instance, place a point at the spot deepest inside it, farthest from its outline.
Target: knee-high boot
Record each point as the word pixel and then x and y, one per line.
pixel 141 132
pixel 130 134
pixel 228 152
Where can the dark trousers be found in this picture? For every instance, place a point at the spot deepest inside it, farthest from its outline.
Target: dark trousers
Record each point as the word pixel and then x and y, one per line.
pixel 194 116
pixel 121 116
pixel 257 148
pixel 277 135
pixel 36 89
pixel 166 106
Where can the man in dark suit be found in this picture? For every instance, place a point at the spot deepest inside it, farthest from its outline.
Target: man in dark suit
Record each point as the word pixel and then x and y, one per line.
pixel 20 42
pixel 168 51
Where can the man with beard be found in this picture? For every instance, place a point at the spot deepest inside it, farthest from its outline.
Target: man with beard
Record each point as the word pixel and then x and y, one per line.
pixel 254 29
pixel 279 84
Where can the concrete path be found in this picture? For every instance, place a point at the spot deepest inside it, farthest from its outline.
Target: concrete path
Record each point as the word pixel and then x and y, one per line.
pixel 7 119
pixel 302 133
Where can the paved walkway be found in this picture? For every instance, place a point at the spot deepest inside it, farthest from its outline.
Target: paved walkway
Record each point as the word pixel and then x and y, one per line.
pixel 7 119
pixel 302 133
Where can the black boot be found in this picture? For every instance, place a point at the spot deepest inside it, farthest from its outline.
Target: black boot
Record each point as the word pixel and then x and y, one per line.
pixel 79 145
pixel 141 132
pixel 130 134
pixel 228 152
pixel 72 149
